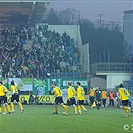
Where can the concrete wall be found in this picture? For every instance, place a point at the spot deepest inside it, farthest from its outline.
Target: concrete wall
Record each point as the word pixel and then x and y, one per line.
pixel 114 79
pixel 85 59
pixel 72 30
pixel 96 81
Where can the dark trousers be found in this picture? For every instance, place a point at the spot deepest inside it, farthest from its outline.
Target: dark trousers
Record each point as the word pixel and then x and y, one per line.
pixel 111 102
pixel 92 100
pixel 104 102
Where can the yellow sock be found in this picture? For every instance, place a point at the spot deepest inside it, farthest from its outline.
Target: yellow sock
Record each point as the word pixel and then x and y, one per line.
pixel 20 105
pixel 79 109
pixel 0 109
pixel 56 109
pixel 8 107
pixel 12 106
pixel 5 109
pixel 65 107
pixel 82 106
pixel 75 110
pixel 126 109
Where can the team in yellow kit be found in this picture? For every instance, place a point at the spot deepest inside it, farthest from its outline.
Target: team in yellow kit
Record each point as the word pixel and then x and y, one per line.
pixel 3 99
pixel 80 98
pixel 71 97
pixel 124 97
pixel 71 93
pixel 58 99
pixel 15 96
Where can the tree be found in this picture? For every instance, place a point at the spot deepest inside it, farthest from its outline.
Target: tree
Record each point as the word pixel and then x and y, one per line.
pixel 68 16
pixel 102 39
pixel 52 17
pixel 107 37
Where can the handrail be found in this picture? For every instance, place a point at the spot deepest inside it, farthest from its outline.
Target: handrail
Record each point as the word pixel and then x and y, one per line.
pixel 111 67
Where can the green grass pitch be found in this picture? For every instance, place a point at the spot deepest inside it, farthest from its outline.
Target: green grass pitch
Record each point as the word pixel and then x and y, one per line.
pixel 39 119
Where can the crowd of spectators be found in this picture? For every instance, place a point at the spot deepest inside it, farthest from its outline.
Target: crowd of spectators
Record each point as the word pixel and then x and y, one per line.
pixel 36 51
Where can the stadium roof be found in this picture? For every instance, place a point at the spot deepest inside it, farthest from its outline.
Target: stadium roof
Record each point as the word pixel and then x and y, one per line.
pixel 27 11
pixel 128 11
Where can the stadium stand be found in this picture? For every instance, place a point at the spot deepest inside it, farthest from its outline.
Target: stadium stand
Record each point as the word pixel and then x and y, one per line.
pixel 34 51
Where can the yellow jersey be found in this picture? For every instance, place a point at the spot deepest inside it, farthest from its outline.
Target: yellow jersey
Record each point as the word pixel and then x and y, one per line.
pixel 80 93
pixel 14 89
pixel 2 93
pixel 123 94
pixel 5 89
pixel 71 92
pixel 57 91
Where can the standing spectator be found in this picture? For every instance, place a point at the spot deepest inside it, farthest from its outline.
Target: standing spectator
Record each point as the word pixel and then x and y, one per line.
pixel 118 100
pixel 111 98
pixel 130 101
pixel 31 99
pixel 24 69
pixel 10 73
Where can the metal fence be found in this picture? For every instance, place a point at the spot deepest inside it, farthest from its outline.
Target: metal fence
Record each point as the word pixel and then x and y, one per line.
pixel 111 67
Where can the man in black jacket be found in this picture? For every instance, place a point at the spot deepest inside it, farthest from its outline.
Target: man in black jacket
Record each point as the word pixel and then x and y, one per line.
pixel 98 97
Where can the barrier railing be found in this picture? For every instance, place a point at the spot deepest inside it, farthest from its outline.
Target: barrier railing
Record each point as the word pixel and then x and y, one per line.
pixel 111 67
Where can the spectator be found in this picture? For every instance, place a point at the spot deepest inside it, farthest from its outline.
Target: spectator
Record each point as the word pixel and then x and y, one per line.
pixel 31 99
pixel 24 71
pixel 111 98
pixel 10 73
pixel 22 45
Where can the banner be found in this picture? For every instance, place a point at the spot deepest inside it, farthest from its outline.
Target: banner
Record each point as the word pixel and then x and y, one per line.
pixel 41 99
pixel 83 82
pixel 49 83
pixel 39 87
pixel 24 84
pixel 4 81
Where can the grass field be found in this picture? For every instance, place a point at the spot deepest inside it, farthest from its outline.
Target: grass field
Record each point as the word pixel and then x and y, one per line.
pixel 39 119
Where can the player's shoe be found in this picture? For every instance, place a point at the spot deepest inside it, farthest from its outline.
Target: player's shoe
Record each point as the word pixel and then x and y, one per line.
pixel 131 111
pixel 129 108
pixel 64 113
pixel 80 112
pixel 85 110
pixel 126 115
pixel 55 112
pixel 22 110
pixel 4 113
pixel 12 110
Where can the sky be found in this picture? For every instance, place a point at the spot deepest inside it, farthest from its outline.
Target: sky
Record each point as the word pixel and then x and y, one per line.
pixel 112 10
